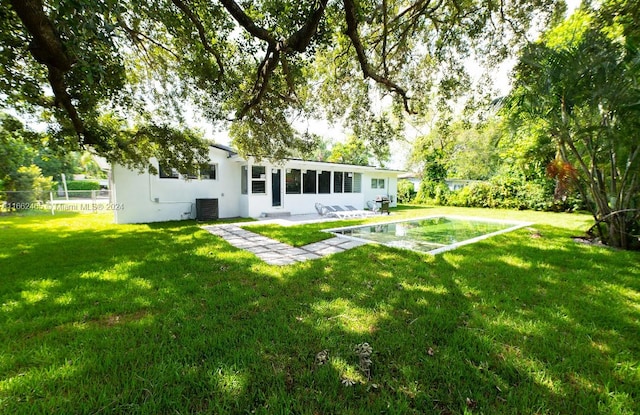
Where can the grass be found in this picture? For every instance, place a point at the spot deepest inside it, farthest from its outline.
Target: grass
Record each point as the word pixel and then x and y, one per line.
pixel 300 235
pixel 166 318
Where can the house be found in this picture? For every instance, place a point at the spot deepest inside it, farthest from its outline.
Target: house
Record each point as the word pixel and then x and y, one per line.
pixel 233 186
pixel 457 184
pixel 414 178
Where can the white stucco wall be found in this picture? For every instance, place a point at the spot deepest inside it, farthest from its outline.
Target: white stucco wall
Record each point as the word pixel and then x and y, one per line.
pixel 301 203
pixel 148 198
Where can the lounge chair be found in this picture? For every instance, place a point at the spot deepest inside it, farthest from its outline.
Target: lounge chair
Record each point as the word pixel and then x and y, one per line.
pixel 352 212
pixel 359 212
pixel 372 206
pixel 330 211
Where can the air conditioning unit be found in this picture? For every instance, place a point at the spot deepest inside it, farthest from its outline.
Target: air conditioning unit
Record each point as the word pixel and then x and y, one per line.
pixel 206 209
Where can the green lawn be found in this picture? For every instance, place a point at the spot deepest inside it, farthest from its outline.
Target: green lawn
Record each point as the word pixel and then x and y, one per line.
pixel 167 318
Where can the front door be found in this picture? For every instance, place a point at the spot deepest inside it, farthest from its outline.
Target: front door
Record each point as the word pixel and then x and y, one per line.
pixel 276 187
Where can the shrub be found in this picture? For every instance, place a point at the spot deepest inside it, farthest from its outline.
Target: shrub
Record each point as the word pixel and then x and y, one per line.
pixel 83 185
pixel 28 185
pixel 432 191
pixel 405 191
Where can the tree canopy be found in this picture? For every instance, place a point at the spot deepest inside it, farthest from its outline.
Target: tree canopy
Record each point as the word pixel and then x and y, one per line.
pixel 579 85
pixel 120 76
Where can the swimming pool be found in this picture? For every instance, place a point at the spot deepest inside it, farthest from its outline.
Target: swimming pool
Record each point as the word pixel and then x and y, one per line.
pixel 432 234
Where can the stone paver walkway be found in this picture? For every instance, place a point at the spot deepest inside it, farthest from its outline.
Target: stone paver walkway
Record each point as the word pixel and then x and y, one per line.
pixel 278 253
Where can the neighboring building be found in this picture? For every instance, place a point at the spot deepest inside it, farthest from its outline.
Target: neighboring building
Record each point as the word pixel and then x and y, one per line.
pixel 414 178
pixel 457 184
pixel 233 186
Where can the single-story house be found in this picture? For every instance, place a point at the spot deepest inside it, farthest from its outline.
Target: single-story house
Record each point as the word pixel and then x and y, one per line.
pixel 233 186
pixel 414 178
pixel 457 184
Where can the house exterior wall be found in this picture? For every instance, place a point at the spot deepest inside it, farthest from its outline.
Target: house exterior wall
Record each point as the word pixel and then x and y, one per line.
pixel 301 203
pixel 144 197
pixel 150 198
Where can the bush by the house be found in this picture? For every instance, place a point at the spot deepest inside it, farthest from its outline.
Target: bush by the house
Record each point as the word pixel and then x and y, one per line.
pixel 506 193
pixel 405 191
pixel 432 191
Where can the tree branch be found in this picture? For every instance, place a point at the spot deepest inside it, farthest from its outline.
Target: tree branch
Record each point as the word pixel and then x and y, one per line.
pixel 297 42
pixel 245 21
pixel 202 34
pixel 135 36
pixel 47 48
pixel 265 70
pixel 385 34
pixel 367 70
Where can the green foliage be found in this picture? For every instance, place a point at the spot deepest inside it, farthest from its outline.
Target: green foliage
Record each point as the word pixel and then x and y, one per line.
pixel 259 65
pixel 15 151
pixel 578 86
pixel 353 151
pixel 503 191
pixel 430 191
pixel 28 185
pixel 83 185
pixel 406 191
pixel 21 147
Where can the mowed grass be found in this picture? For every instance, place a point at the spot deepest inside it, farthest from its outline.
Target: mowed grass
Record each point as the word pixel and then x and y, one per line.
pixel 167 318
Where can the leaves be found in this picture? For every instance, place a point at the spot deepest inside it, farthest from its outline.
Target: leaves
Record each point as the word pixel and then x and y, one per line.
pixel 579 85
pixel 257 65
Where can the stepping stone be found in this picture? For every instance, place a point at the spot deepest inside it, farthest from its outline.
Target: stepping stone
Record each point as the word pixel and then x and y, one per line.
pixel 277 253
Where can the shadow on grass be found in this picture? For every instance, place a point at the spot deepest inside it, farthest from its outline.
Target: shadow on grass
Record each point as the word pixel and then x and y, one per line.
pixel 168 318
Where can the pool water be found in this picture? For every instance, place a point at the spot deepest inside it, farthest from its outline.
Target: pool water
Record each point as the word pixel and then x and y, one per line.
pixel 432 234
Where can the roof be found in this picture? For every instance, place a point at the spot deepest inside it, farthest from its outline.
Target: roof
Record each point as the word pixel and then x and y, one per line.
pixel 233 152
pixel 410 175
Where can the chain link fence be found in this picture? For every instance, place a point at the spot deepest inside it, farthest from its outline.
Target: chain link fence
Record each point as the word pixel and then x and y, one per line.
pixel 70 201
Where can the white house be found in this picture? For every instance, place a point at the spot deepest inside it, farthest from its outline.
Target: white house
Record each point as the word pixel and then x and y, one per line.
pixel 414 178
pixel 233 186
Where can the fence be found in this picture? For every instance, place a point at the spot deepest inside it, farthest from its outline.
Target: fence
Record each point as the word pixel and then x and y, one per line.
pixel 71 201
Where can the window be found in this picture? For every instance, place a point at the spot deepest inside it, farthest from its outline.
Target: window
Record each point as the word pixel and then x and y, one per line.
pixel 377 183
pixel 337 182
pixel 167 172
pixel 209 172
pixel 243 180
pixel 324 182
pixel 357 182
pixel 293 181
pixel 309 182
pixel 258 179
pixel 348 182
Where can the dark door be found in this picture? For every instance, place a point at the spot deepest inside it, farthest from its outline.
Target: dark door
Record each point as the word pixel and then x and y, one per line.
pixel 276 194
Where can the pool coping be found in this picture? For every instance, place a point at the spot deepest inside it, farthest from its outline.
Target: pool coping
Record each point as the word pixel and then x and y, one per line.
pixel 517 225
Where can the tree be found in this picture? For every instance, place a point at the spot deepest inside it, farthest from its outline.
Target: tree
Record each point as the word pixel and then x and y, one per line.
pixel 353 151
pixel 14 151
pixel 98 70
pixel 406 191
pixel 579 83
pixel 27 185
